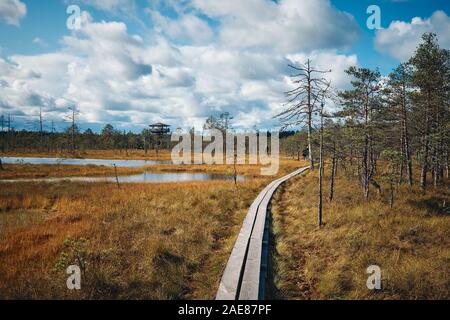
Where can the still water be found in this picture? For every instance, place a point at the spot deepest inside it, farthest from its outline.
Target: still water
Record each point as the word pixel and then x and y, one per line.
pixel 146 177
pixel 85 162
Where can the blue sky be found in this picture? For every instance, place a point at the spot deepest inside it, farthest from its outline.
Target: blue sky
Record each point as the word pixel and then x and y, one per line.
pixel 136 62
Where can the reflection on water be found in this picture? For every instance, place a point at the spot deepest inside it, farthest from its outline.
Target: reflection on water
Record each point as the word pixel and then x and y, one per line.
pixel 145 177
pixel 83 162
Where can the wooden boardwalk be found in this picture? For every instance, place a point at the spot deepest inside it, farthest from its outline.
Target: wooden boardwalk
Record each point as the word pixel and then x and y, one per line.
pixel 245 274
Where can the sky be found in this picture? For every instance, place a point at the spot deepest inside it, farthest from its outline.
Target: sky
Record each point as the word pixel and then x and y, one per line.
pixel 131 63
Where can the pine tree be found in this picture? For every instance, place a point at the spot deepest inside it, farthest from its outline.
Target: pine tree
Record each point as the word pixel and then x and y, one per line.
pixel 362 105
pixel 399 100
pixel 431 77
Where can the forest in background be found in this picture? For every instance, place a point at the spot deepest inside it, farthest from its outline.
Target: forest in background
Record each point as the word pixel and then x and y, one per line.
pixel 400 121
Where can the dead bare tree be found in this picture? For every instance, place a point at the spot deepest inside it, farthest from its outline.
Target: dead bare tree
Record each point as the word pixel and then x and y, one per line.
pixel 325 94
pixel 117 176
pixel 333 171
pixel 3 135
pixel 41 128
pixel 304 100
pixel 72 118
pixel 51 145
pixel 8 132
pixel 320 204
pixel 235 168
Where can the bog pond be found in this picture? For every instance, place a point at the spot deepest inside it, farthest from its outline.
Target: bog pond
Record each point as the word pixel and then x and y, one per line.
pixel 145 177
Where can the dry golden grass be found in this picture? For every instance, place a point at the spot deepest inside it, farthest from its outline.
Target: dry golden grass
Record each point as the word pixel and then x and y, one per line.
pixel 20 171
pixel 153 241
pixel 136 154
pixel 286 166
pixel 156 241
pixel 410 242
pixel 30 171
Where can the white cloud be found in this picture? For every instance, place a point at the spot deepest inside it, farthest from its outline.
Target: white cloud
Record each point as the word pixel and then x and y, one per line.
pixel 12 11
pixel 329 60
pixel 187 69
pixel 285 26
pixel 401 38
pixel 18 96
pixel 188 27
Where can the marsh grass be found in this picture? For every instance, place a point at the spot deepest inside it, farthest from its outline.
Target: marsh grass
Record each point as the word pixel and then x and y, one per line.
pixel 135 154
pixel 410 242
pixel 142 241
pixel 30 171
pixel 159 241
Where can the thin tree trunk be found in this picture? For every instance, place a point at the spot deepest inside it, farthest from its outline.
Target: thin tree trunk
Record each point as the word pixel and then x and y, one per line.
pixel 426 146
pixel 409 170
pixel 235 169
pixel 41 130
pixel 320 204
pixel 73 129
pixel 117 177
pixel 435 169
pixel 145 144
pixel 424 169
pixel 365 169
pixel 310 153
pixel 310 112
pixel 333 172
pixel 337 164
pixel 403 159
pixel 365 161
pixel 405 142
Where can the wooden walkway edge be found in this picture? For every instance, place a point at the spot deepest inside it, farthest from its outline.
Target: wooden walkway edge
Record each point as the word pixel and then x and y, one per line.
pixel 246 270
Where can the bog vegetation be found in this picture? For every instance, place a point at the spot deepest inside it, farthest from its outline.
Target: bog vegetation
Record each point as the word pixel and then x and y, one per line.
pixel 159 241
pixel 382 186
pixel 139 241
pixel 401 121
pixel 408 241
pixel 380 196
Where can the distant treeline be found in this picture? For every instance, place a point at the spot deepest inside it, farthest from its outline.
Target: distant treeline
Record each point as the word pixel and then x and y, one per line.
pixel 108 138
